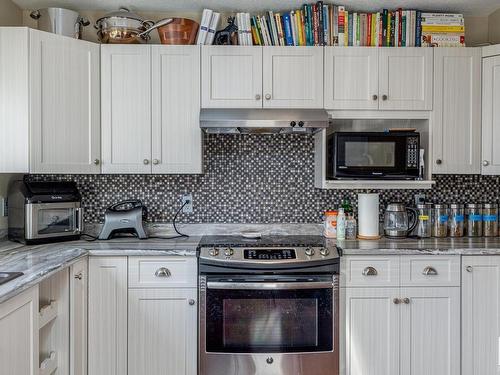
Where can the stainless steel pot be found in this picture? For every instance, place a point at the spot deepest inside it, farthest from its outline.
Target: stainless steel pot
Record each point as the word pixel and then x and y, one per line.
pixel 126 27
pixel 60 21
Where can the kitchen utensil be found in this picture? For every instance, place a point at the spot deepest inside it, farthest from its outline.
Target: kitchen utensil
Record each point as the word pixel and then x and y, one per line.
pixel 60 21
pixel 368 216
pixel 180 31
pixel 124 217
pixel 396 220
pixel 126 27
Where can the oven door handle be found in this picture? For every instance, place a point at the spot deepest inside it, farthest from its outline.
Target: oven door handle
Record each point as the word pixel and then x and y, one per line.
pixel 269 285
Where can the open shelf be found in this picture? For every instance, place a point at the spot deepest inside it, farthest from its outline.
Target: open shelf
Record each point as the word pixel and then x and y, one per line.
pixel 377 184
pixel 47 314
pixel 49 364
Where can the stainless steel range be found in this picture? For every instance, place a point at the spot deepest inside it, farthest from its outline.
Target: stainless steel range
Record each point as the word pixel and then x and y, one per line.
pixel 268 306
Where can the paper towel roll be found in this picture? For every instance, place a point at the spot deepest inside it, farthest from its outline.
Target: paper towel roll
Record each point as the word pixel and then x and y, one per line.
pixel 368 215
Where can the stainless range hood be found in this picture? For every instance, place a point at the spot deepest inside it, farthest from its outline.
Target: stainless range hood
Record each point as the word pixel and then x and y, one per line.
pixel 263 121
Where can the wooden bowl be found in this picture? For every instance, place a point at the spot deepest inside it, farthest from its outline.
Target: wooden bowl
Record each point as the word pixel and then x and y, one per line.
pixel 180 31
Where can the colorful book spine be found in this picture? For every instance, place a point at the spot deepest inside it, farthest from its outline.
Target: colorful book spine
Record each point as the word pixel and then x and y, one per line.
pixel 326 39
pixel 418 28
pixel 403 30
pixel 287 29
pixel 341 25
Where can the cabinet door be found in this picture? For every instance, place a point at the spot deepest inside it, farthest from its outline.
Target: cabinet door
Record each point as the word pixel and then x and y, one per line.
pixel 162 331
pixel 456 119
pixel 430 331
pixel 176 109
pixel 231 77
pixel 19 334
pixel 405 78
pixel 293 77
pixel 351 78
pixel 126 108
pixel 372 331
pixel 65 104
pixel 107 316
pixel 491 116
pixel 481 315
pixel 78 279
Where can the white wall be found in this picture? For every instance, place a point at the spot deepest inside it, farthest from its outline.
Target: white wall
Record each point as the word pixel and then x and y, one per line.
pixel 10 14
pixel 494 27
pixel 476 30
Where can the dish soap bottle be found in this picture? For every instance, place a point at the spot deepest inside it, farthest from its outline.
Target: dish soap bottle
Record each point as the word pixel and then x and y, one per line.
pixel 341 224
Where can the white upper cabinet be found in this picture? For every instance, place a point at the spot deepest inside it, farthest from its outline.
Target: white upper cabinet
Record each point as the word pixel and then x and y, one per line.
pixel 49 103
pixel 456 119
pixel 481 315
pixel 177 137
pixel 491 116
pixel 405 78
pixel 293 77
pixel 126 108
pixel 232 77
pixel 351 78
pixel 65 113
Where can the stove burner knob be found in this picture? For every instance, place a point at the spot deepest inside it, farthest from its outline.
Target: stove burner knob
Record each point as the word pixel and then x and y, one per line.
pixel 213 252
pixel 309 252
pixel 324 251
pixel 228 252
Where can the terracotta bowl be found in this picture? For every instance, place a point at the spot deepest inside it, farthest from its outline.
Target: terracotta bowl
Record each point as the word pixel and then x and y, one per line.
pixel 180 31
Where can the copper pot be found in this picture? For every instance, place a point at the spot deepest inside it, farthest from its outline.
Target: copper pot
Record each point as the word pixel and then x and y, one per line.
pixel 180 31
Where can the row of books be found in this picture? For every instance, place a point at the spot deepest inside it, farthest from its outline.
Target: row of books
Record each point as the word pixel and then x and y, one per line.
pixel 208 26
pixel 325 24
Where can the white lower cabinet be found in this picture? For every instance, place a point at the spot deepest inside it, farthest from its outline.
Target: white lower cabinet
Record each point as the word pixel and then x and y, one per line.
pixel 162 337
pixel 78 285
pixel 107 328
pixel 401 330
pixel 481 315
pixel 19 334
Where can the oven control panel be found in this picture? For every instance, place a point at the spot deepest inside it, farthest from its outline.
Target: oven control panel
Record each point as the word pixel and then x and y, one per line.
pixel 271 254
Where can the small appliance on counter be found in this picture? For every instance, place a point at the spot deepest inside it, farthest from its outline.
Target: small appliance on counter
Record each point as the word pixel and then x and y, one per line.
pixel 124 218
pixel 44 211
pixel 397 222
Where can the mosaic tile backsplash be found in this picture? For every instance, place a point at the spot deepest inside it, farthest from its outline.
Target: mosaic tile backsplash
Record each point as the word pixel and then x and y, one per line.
pixel 255 179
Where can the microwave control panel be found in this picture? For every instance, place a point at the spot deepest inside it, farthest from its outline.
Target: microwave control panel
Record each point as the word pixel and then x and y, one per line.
pixel 412 152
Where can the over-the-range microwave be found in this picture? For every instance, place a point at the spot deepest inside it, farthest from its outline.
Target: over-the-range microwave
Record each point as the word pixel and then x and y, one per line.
pixel 373 155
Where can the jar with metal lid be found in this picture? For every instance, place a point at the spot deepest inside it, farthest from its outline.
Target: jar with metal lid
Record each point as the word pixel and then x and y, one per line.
pixel 440 220
pixel 424 222
pixel 490 220
pixel 456 222
pixel 474 220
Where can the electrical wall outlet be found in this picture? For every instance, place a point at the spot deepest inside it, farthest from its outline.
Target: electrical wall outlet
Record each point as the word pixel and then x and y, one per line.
pixel 419 198
pixel 188 208
pixel 3 207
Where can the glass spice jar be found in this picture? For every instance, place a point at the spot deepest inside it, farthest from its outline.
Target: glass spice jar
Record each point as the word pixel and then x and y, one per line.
pixel 490 220
pixel 424 222
pixel 456 222
pixel 474 220
pixel 440 220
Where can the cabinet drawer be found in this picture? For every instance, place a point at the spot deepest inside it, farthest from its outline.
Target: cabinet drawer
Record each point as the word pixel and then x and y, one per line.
pixel 162 272
pixel 432 270
pixel 360 271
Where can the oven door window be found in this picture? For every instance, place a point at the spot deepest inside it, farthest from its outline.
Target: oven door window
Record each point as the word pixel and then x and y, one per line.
pixel 269 321
pixel 56 220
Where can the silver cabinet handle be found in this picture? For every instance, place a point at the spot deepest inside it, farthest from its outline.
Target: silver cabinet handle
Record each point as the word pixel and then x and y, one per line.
pixel 498 359
pixel 396 301
pixel 370 271
pixel 257 97
pixel 375 97
pixel 97 161
pixel 145 161
pixel 79 276
pixel 156 161
pixel 439 162
pixel 486 163
pixel 268 96
pixel 468 268
pixel 163 272
pixel 385 97
pixel 406 301
pixel 429 271
pixel 191 302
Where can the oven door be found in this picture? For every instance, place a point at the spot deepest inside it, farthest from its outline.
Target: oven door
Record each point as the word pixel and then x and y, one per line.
pixel 372 155
pixel 287 325
pixel 46 220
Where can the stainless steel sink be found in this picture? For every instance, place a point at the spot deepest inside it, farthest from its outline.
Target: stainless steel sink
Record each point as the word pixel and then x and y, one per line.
pixel 5 277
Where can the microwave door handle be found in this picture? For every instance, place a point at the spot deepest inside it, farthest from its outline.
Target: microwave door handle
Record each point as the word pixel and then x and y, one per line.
pixel 79 219
pixel 269 285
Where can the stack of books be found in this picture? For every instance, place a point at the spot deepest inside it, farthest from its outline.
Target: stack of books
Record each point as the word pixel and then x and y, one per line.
pixel 443 30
